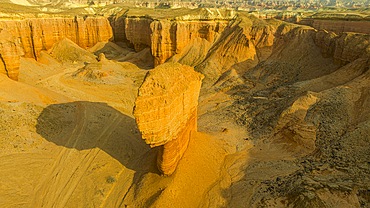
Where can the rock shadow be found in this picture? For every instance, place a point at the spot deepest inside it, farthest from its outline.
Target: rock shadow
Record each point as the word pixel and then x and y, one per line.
pixel 86 125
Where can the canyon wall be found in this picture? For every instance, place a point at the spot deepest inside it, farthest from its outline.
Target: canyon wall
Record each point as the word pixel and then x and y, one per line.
pixel 138 32
pixel 28 37
pixel 164 37
pixel 10 51
pixel 133 30
pixel 212 46
pixel 243 44
pixel 344 48
pixel 169 38
pixel 339 36
pixel 337 26
pixel 166 111
pixel 335 22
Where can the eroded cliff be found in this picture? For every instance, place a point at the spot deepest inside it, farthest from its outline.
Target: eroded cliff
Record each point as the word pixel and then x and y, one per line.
pixel 169 38
pixel 166 111
pixel 166 35
pixel 10 51
pixel 29 37
pixel 338 22
pixel 212 45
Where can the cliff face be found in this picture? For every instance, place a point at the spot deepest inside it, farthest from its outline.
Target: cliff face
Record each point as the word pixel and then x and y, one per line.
pixel 166 111
pixel 165 38
pixel 243 44
pixel 211 46
pixel 10 51
pixel 137 31
pixel 169 38
pixel 339 26
pixel 344 48
pixel 334 22
pixel 34 35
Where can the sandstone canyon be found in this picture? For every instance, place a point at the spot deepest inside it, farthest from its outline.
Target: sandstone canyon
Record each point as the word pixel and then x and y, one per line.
pixel 28 37
pixel 119 106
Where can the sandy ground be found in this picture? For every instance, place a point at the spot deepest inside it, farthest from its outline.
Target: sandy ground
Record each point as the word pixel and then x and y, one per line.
pixel 89 154
pixel 76 144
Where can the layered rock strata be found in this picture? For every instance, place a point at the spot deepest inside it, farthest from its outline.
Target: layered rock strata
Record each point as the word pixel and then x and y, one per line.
pixel 344 48
pixel 166 111
pixel 10 51
pixel 335 22
pixel 169 38
pixel 29 37
pixel 337 25
pixel 165 37
pixel 137 31
pixel 243 44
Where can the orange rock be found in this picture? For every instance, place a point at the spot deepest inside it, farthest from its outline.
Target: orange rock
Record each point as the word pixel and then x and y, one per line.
pixel 33 35
pixel 344 48
pixel 138 32
pixel 169 38
pixel 339 26
pixel 166 111
pixel 164 37
pixel 42 34
pixel 10 51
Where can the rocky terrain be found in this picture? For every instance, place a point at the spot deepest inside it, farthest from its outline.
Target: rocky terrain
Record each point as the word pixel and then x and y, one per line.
pixel 338 22
pixel 350 20
pixel 240 111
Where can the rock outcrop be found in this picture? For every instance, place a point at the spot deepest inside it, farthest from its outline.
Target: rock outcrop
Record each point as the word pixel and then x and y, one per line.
pixel 137 31
pixel 344 48
pixel 243 44
pixel 323 20
pixel 214 37
pixel 339 26
pixel 29 37
pixel 167 36
pixel 166 111
pixel 10 51
pixel 337 22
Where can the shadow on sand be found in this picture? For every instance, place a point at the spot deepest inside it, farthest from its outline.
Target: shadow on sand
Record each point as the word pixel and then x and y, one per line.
pixel 86 125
